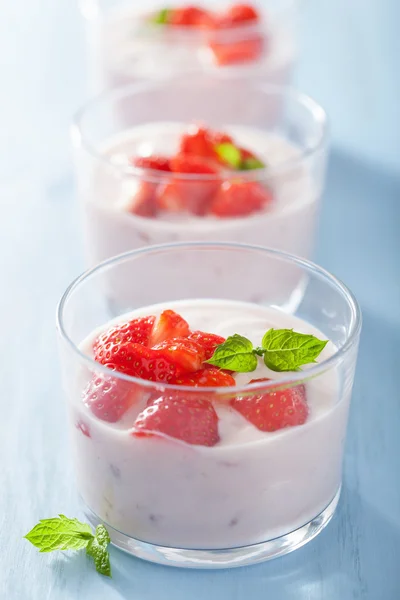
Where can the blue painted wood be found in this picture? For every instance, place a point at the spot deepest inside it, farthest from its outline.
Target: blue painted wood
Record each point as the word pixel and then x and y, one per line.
pixel 357 556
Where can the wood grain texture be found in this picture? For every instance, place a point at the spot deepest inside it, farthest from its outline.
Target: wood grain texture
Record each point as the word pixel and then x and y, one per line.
pixel 357 556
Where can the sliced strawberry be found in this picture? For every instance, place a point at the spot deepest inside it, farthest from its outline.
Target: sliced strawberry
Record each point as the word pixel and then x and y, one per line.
pixel 230 53
pixel 109 398
pixel 192 420
pixel 144 203
pixel 208 341
pixel 155 163
pixel 237 14
pixel 240 198
pixel 172 196
pixel 168 325
pixel 194 165
pixel 201 142
pixel 274 410
pixel 186 353
pixel 207 377
pixel 84 428
pixel 137 331
pixel 188 16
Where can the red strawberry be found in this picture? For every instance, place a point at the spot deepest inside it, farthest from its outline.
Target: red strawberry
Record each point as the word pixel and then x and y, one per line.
pixel 237 14
pixel 189 15
pixel 186 353
pixel 201 142
pixel 207 377
pixel 168 325
pixel 274 410
pixel 155 163
pixel 83 427
pixel 138 361
pixel 171 196
pixel 109 398
pixel 230 53
pixel 137 331
pixel 194 165
pixel 240 198
pixel 143 203
pixel 209 341
pixel 192 420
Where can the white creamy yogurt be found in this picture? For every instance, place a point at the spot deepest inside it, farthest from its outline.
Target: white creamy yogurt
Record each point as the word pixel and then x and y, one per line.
pixel 249 488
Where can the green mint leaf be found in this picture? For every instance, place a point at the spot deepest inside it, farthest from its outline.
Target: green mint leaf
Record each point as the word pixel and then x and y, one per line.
pixel 286 350
pixel 229 154
pixel 161 17
pixel 248 164
pixel 97 549
pixel 60 533
pixel 235 354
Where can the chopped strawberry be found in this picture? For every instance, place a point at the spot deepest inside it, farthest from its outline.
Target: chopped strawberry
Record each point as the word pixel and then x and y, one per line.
pixel 274 410
pixel 138 361
pixel 230 53
pixel 240 198
pixel 83 427
pixel 192 420
pixel 168 325
pixel 201 142
pixel 143 203
pixel 171 196
pixel 137 331
pixel 155 163
pixel 209 341
pixel 207 377
pixel 109 398
pixel 191 164
pixel 188 16
pixel 185 352
pixel 237 14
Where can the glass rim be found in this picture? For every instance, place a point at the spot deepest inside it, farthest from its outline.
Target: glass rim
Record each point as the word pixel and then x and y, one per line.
pixel 290 378
pixel 121 92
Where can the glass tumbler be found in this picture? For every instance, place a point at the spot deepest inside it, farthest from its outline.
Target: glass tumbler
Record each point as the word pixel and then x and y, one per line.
pixel 252 495
pixel 124 44
pixel 126 207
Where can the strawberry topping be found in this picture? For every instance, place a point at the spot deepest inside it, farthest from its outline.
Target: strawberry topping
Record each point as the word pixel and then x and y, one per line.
pixel 168 325
pixel 192 420
pixel 240 198
pixel 207 377
pixel 137 331
pixel 208 341
pixel 186 353
pixel 155 163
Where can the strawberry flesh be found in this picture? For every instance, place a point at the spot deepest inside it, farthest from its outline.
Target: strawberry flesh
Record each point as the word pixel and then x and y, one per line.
pixel 207 377
pixel 192 420
pixel 168 325
pixel 274 410
pixel 154 163
pixel 240 198
pixel 186 353
pixel 208 341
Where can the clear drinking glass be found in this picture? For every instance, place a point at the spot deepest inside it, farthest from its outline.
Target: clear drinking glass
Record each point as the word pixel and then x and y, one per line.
pixel 286 128
pixel 122 46
pixel 253 495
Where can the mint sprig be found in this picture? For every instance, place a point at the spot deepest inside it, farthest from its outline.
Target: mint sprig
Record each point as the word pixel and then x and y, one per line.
pixel 61 533
pixel 161 17
pixel 252 162
pixel 229 154
pixel 281 349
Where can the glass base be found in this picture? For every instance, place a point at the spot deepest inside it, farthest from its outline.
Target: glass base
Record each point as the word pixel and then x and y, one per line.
pixel 221 559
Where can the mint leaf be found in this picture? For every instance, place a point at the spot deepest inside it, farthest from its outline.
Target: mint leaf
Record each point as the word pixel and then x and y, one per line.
pixel 235 354
pixel 60 533
pixel 286 350
pixel 229 154
pixel 248 164
pixel 97 549
pixel 161 17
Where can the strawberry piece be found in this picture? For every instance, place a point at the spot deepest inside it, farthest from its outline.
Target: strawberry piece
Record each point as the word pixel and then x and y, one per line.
pixel 138 361
pixel 186 353
pixel 171 196
pixel 168 325
pixel 144 203
pixel 208 341
pixel 84 428
pixel 237 14
pixel 274 410
pixel 240 198
pixel 155 163
pixel 201 142
pixel 189 16
pixel 192 420
pixel 208 377
pixel 137 331
pixel 230 53
pixel 194 165
pixel 109 398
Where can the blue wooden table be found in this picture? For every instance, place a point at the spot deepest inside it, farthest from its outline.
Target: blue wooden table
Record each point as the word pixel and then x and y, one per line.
pixel 349 63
